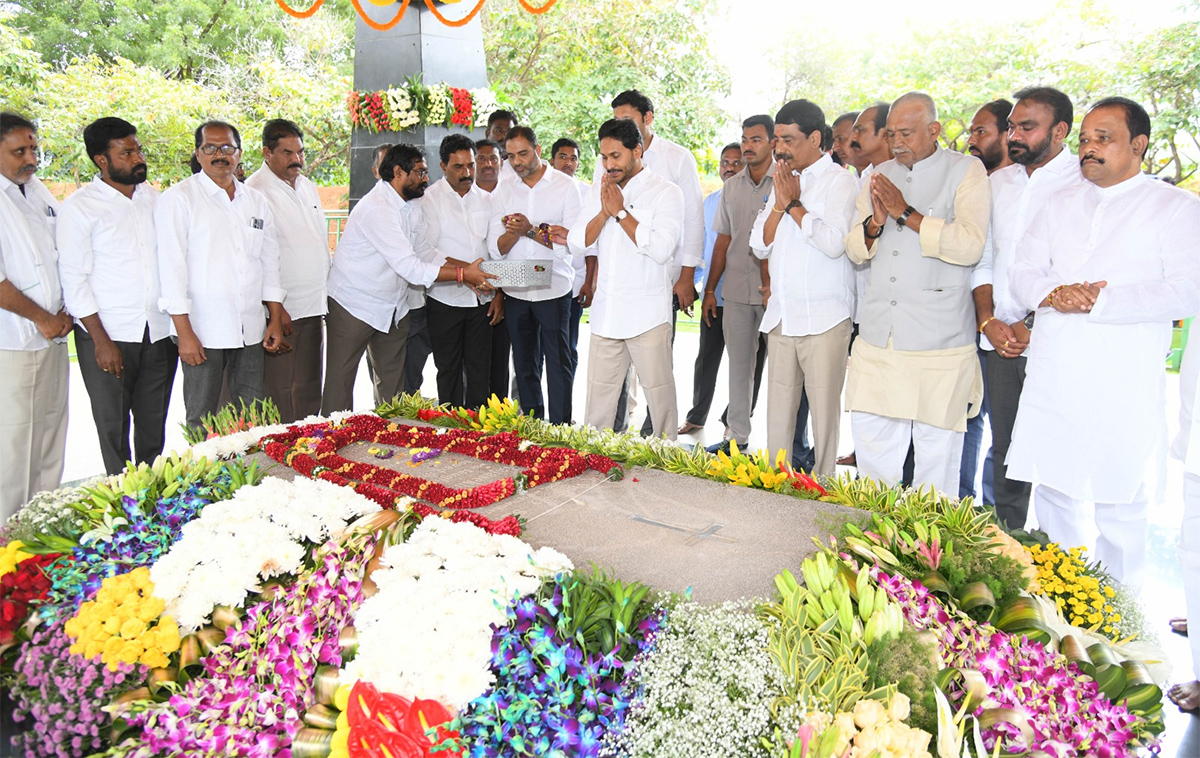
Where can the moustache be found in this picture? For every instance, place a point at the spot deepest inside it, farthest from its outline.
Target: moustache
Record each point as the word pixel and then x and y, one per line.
pixel 296 165
pixel 1087 158
pixel 1017 146
pixel 783 156
pixel 140 168
pixel 974 150
pixel 220 162
pixel 29 169
pixel 854 144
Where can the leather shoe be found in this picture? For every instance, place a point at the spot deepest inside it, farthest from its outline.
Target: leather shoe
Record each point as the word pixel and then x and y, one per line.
pixel 720 447
pixel 690 428
pixel 848 460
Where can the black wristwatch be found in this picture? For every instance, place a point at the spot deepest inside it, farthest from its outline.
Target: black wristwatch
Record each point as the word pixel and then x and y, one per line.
pixel 1028 320
pixel 902 219
pixel 794 204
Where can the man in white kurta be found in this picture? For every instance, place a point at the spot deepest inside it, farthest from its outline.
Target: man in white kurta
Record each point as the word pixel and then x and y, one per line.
pixel 292 378
pixel 33 325
pixel 921 221
pixel 630 226
pixel 1187 449
pixel 1107 265
pixel 802 234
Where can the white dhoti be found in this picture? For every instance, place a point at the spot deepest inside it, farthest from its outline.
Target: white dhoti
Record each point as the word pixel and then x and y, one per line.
pixel 33 423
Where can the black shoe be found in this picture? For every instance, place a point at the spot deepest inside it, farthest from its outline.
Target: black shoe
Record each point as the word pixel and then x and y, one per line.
pixel 720 447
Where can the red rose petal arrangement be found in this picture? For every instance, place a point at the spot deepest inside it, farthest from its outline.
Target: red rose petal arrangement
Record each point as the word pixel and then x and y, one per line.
pixel 18 589
pixel 314 451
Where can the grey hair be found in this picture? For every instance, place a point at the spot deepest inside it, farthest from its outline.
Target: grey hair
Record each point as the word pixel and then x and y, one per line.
pixel 931 111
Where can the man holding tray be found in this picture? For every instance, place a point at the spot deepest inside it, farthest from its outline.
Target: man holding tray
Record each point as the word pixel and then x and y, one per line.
pixel 633 222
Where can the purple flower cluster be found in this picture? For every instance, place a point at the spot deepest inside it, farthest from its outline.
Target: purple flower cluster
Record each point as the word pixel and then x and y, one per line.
pixel 63 694
pixel 140 542
pixel 426 455
pixel 257 685
pixel 1065 709
pixel 550 698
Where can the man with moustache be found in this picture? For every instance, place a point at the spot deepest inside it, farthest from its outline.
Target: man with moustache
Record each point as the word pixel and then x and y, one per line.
pixel 842 127
pixel 373 268
pixel 1107 265
pixel 33 325
pixel 292 378
pixel 564 156
pixel 529 217
pixel 801 233
pixel 630 227
pixel 218 263
pixel 487 165
pixel 914 375
pixel 457 214
pixel 1042 168
pixel 109 268
pixel 500 123
pixel 741 274
pixel 987 136
pixel 712 340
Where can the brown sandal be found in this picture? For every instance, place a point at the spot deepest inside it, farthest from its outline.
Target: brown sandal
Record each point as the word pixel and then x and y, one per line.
pixel 1179 626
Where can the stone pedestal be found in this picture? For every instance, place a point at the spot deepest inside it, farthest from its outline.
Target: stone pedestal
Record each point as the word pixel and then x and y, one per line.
pixel 419 44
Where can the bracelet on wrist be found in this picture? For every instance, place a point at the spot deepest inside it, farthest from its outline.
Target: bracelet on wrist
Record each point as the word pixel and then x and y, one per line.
pixel 986 321
pixel 776 209
pixel 867 229
pixel 1053 292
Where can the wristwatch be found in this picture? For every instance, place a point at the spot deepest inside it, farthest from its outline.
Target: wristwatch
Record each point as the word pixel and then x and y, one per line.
pixel 1028 320
pixel 621 214
pixel 902 219
pixel 794 204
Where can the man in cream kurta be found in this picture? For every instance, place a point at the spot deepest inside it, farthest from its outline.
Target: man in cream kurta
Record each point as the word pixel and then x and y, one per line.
pixel 33 326
pixel 629 229
pixel 1107 265
pixel 914 377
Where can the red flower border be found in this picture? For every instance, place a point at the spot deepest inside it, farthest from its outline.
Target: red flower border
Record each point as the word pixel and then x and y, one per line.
pixel 322 459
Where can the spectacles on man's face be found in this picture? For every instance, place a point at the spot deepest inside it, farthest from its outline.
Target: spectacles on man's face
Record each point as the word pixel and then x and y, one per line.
pixel 223 149
pixel 421 174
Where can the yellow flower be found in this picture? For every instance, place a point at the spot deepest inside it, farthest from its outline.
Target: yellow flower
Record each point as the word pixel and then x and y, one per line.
pixel 132 628
pixel 154 659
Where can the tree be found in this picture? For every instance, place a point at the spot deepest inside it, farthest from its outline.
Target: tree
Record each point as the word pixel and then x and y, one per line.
pixel 1168 74
pixel 562 69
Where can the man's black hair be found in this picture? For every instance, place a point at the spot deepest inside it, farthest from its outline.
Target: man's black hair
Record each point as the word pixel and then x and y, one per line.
pixel 10 121
pixel 851 116
pixel 522 132
pixel 732 146
pixel 278 128
pixel 806 115
pixel 400 156
pixel 455 143
pixel 237 136
pixel 99 134
pixel 380 151
pixel 502 115
pixel 634 99
pixel 1001 109
pixel 763 120
pixel 562 142
pixel 1058 103
pixel 881 114
pixel 622 130
pixel 482 143
pixel 1136 117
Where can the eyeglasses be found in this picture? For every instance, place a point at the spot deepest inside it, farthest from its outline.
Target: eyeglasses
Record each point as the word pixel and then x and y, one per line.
pixel 224 149
pixel 422 174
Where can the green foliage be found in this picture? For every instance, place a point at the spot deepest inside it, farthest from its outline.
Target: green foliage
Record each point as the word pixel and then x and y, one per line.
pixel 911 663
pixel 562 69
pixel 1002 575
pixel 602 613
pixel 233 418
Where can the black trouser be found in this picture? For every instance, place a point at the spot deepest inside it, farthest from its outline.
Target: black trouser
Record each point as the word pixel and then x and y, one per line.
pixel 143 390
pixel 708 365
pixel 1006 378
pixel 543 322
pixel 418 350
pixel 462 351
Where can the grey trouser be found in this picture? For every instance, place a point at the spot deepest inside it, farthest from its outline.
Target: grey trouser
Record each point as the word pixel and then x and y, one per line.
pixel 293 379
pixel 242 367
pixel 346 339
pixel 740 324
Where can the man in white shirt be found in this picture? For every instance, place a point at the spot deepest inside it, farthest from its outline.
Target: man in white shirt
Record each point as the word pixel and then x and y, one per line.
pixel 487 176
pixel 373 269
pixel 802 232
pixel 218 262
pixel 987 135
pixel 633 220
pixel 292 378
pixel 33 325
pixel 921 222
pixel 1107 265
pixel 108 262
pixel 531 213
pixel 456 214
pixel 1038 127
pixel 564 157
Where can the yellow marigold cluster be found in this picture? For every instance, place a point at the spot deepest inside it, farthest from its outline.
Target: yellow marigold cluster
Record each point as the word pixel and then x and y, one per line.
pixel 11 555
pixel 876 729
pixel 123 625
pixel 1003 544
pixel 1084 599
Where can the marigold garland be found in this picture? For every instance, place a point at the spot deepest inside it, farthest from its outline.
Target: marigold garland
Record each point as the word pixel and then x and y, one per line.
pixel 314 451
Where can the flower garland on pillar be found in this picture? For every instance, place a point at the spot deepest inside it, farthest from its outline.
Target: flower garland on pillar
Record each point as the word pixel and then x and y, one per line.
pixel 385 25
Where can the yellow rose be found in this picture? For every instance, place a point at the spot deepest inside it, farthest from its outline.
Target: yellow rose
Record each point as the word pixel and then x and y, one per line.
pixel 92 649
pixel 168 634
pixel 150 608
pixel 140 578
pixel 154 659
pixel 132 628
pixel 112 647
pixel 111 625
pixel 130 652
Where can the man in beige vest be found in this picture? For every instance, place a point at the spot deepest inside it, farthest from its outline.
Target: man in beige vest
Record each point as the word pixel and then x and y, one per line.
pixel 921 224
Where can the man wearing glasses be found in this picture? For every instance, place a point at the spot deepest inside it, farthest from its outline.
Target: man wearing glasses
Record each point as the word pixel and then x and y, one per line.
pixel 109 268
pixel 218 262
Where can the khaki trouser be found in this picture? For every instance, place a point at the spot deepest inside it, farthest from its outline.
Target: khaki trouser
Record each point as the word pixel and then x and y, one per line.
pixel 740 324
pixel 33 423
pixel 815 364
pixel 608 362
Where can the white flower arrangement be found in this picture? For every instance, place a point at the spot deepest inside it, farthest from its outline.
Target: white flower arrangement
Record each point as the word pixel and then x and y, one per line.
pixel 232 445
pixel 49 512
pixel 427 632
pixel 401 110
pixel 483 100
pixel 439 105
pixel 260 532
pixel 706 688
